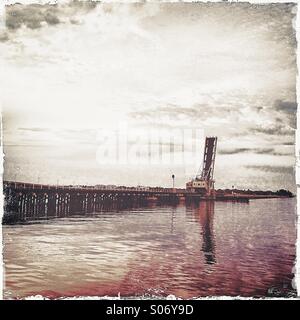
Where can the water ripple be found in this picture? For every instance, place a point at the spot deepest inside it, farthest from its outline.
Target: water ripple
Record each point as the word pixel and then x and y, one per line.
pixel 209 249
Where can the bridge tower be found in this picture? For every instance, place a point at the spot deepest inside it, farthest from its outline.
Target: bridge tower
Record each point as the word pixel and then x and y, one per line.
pixel 203 183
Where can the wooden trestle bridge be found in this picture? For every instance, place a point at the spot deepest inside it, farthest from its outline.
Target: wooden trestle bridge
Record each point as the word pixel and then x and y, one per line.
pixel 28 201
pixel 25 201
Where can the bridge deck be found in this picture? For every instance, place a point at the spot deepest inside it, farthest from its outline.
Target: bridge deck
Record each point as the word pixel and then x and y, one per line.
pixel 103 189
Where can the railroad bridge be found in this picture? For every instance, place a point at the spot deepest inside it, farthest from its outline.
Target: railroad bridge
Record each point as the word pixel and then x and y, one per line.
pixel 36 201
pixel 29 201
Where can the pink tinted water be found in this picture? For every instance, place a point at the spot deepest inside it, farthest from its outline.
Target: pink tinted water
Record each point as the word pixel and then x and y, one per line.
pixel 211 249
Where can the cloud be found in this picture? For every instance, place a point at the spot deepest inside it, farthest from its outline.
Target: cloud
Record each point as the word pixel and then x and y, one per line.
pixel 245 150
pixel 35 16
pixel 288 107
pixel 201 111
pixel 168 112
pixel 273 129
pixel 193 116
pixel 4 36
pixel 273 169
pixel 266 151
pixel 288 143
pixel 35 129
pixel 234 118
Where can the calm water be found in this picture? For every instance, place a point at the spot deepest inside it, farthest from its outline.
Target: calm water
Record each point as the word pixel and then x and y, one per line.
pixel 211 249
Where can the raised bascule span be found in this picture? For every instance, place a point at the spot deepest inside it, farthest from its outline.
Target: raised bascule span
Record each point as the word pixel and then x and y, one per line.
pixel 203 183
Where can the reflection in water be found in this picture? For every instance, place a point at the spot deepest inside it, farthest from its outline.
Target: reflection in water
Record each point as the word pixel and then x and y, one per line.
pixel 172 219
pixel 203 212
pixel 200 249
pixel 206 215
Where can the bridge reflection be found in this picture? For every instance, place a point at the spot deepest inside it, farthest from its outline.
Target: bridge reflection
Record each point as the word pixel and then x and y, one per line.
pixel 203 212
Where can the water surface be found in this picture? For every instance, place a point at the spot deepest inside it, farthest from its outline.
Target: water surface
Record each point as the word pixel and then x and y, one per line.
pixel 219 248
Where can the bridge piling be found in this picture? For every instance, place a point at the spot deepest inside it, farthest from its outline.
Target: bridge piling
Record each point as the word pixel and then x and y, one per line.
pixel 32 201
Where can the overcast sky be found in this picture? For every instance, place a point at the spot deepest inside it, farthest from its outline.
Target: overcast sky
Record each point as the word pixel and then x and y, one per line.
pixel 70 69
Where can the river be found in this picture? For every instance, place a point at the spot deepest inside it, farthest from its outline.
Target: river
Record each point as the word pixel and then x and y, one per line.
pixel 209 249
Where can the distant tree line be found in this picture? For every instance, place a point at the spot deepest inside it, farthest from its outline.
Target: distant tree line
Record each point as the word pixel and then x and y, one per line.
pixel 281 192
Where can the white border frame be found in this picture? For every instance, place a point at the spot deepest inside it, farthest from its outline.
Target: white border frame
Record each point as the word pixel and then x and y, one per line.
pixel 296 281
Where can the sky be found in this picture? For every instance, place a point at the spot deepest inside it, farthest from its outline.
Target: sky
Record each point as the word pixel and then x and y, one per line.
pixel 71 71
